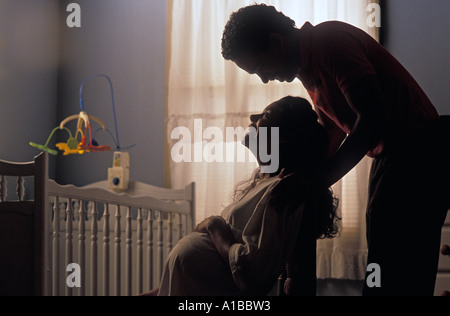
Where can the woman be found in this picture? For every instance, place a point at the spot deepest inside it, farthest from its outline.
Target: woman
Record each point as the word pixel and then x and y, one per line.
pixel 244 251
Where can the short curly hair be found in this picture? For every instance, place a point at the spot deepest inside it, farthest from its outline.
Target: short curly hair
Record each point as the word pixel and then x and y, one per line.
pixel 249 29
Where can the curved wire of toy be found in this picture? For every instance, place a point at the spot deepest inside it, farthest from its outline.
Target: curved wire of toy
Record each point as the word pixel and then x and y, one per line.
pixel 91 147
pixel 83 117
pixel 45 146
pixel 113 103
pixel 94 142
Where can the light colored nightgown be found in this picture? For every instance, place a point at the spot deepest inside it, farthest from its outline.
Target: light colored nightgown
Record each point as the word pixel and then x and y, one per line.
pixel 266 239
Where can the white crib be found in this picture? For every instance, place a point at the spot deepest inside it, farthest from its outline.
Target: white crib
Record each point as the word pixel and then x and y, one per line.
pixel 118 241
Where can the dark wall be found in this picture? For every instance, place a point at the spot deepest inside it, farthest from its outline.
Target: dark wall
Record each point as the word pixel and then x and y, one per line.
pixel 125 40
pixel 28 76
pixel 416 32
pixel 43 63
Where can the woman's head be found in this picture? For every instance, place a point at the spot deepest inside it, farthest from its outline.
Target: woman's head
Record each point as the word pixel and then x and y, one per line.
pixel 300 140
pixel 303 145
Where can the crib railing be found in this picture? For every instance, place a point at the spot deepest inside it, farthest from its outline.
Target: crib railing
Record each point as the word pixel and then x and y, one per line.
pixel 118 242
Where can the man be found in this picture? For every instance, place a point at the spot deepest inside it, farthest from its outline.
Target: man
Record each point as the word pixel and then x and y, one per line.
pixel 370 105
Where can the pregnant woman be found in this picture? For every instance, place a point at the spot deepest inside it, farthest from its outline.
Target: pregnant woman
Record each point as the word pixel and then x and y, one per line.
pixel 275 219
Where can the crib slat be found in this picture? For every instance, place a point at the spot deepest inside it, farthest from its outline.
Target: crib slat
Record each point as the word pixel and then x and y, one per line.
pixel 69 240
pixel 129 248
pixel 170 233
pixel 117 252
pixel 3 189
pixel 82 246
pixel 140 274
pixel 20 189
pixel 56 248
pixel 180 226
pixel 106 251
pixel 94 254
pixel 161 242
pixel 150 244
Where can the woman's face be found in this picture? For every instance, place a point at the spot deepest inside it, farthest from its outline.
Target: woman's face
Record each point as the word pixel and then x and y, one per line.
pixel 263 136
pixel 270 117
pixel 289 132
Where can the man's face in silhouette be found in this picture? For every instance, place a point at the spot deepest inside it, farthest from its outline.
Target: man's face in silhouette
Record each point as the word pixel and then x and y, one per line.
pixel 276 63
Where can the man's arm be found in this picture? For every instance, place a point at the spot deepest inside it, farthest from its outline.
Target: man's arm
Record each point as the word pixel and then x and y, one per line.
pixel 335 133
pixel 366 99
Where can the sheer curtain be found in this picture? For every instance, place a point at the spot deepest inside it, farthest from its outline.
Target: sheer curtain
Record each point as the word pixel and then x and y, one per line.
pixel 209 98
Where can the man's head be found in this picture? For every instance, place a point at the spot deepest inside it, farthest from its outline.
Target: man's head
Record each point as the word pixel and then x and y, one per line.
pixel 258 39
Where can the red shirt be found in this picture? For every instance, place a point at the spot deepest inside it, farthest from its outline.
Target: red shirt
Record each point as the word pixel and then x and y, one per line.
pixel 335 55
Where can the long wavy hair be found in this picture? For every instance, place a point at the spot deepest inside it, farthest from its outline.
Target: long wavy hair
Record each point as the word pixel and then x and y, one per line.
pixel 302 153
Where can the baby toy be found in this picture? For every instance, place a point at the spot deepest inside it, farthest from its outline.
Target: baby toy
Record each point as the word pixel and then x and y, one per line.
pixel 79 144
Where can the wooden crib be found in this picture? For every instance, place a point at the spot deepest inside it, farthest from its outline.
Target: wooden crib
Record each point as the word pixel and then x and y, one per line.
pixel 99 242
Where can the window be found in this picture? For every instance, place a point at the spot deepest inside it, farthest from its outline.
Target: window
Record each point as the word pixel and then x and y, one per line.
pixel 204 88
